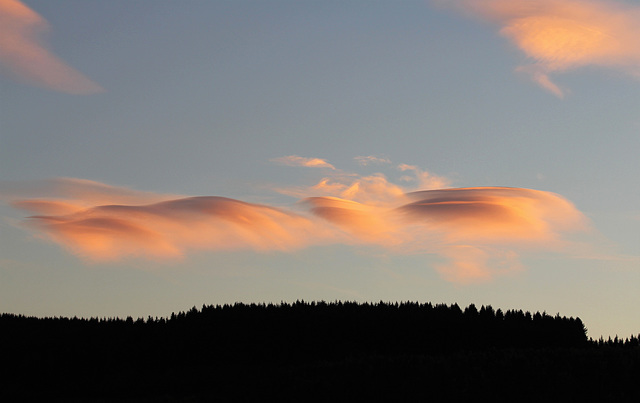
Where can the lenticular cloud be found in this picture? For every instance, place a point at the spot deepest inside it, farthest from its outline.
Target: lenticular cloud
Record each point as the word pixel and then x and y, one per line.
pixel 476 233
pixel 169 228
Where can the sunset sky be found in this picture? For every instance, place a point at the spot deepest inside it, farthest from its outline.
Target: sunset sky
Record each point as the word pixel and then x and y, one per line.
pixel 157 155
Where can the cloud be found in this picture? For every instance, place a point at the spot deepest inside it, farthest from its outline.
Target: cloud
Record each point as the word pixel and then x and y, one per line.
pixel 478 231
pixel 75 194
pixel 494 215
pixel 469 264
pixel 371 160
pixel 563 35
pixel 24 57
pixel 295 161
pixel 425 180
pixel 375 189
pixel 475 233
pixel 170 228
pixel 363 223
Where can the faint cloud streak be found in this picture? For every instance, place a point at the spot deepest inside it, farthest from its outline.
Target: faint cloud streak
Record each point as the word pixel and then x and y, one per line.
pixel 295 161
pixel 24 57
pixel 371 160
pixel 75 194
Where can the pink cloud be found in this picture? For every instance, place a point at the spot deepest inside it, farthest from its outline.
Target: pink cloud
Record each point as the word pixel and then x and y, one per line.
pixel 170 228
pixel 364 223
pixel 73 194
pixel 375 189
pixel 24 56
pixel 478 231
pixel 494 214
pixel 563 35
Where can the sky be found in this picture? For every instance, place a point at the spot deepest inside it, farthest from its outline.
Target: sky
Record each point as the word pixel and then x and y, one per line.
pixel 159 155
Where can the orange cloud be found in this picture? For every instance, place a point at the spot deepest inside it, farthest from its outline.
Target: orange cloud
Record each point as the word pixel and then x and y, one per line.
pixel 172 227
pixel 494 214
pixel 375 189
pixel 477 230
pixel 477 233
pixel 562 35
pixel 23 56
pixel 364 223
pixel 295 161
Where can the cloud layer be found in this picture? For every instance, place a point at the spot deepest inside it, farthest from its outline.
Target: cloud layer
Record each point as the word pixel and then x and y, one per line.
pixel 476 232
pixel 24 57
pixel 562 35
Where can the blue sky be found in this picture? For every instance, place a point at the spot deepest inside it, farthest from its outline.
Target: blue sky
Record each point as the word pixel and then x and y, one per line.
pixel 160 101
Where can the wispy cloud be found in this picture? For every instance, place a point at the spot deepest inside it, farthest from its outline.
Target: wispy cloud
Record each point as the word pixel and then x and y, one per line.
pixel 365 160
pixel 24 56
pixel 295 161
pixel 375 189
pixel 478 233
pixel 424 180
pixel 76 193
pixel 471 264
pixel 562 35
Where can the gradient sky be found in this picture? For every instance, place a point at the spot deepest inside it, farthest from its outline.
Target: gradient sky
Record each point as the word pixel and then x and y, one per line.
pixel 157 155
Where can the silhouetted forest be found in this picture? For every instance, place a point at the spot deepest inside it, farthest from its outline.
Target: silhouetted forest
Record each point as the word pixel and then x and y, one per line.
pixel 341 351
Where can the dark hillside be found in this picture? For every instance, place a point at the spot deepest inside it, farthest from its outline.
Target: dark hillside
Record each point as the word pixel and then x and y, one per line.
pixel 314 351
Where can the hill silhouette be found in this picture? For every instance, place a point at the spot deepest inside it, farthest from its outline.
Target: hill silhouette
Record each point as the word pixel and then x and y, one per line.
pixel 317 351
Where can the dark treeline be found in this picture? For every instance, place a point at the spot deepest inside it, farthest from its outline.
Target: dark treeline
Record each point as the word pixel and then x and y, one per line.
pixel 316 351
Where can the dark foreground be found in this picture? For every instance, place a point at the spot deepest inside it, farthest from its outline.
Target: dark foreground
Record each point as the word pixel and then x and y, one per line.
pixel 316 352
